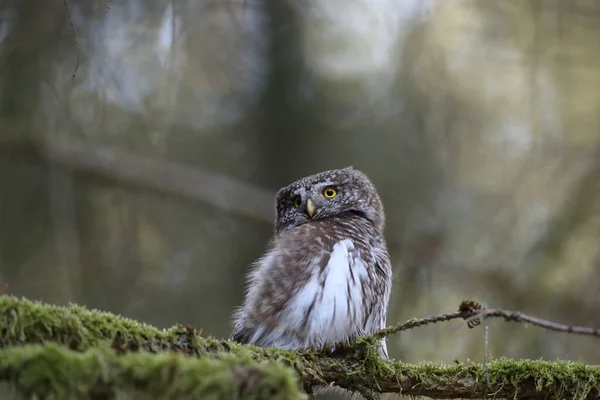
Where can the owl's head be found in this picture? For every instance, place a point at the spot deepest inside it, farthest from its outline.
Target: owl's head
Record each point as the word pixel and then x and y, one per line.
pixel 329 194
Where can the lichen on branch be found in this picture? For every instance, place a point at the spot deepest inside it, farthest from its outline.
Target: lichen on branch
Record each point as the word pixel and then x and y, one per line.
pixel 357 367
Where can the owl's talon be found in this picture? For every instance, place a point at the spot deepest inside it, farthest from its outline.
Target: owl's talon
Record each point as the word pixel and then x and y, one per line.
pixel 325 349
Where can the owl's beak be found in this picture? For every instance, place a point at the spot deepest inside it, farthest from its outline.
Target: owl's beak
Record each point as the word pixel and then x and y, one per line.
pixel 310 207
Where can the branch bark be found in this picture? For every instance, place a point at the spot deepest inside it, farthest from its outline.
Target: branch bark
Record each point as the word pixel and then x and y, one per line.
pixel 357 367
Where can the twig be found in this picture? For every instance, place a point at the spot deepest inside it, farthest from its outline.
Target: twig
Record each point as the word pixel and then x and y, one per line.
pixel 516 316
pixel 473 313
pixel 75 39
pixel 104 4
pixel 418 322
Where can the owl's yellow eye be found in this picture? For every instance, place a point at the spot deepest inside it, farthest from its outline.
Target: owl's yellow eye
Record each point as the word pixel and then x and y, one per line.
pixel 297 201
pixel 329 192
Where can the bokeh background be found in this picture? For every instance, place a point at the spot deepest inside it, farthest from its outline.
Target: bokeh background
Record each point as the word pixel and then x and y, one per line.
pixel 142 142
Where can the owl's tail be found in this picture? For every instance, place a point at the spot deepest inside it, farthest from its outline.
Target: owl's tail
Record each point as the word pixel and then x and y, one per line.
pixel 383 350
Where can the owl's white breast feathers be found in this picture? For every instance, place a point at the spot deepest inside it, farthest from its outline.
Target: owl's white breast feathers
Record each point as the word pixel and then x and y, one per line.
pixel 333 318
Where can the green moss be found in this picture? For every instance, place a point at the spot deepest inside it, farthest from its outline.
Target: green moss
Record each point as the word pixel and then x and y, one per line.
pixel 356 367
pixel 52 371
pixel 24 321
pixel 507 378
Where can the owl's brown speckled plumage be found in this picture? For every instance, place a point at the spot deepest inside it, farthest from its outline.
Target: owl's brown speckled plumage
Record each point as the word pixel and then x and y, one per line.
pixel 327 276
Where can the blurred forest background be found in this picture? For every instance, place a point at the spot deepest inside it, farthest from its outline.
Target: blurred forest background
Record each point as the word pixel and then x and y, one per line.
pixel 145 185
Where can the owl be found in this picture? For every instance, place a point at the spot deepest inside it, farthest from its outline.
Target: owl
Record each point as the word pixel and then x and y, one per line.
pixel 326 277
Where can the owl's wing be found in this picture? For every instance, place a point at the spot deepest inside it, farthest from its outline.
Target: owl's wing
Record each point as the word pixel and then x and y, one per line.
pixel 376 319
pixel 265 318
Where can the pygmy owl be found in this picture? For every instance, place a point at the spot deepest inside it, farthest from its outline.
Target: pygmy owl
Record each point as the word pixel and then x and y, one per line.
pixel 326 277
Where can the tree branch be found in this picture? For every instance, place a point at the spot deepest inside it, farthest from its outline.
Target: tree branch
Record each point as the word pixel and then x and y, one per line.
pixel 418 322
pixel 517 316
pixel 357 367
pixel 473 313
pixel 218 190
pixel 100 373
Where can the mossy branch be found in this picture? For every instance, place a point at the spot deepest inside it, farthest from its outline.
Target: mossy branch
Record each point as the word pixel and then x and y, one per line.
pixel 96 353
pixel 55 371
